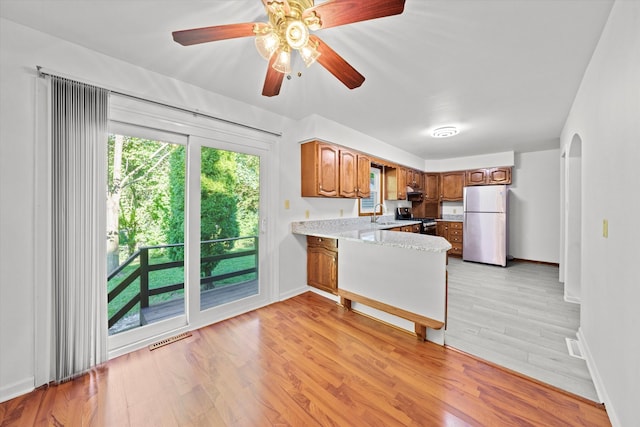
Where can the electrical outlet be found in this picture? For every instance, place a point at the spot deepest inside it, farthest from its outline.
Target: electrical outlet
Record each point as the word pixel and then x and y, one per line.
pixel 341 213
pixel 455 211
pixel 287 205
pixel 306 214
pixel 605 228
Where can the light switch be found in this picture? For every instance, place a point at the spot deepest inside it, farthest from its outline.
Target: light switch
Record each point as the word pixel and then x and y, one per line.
pixel 605 228
pixel 341 213
pixel 286 204
pixel 306 214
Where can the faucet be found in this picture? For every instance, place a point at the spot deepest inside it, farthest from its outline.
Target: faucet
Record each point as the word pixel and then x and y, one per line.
pixel 374 218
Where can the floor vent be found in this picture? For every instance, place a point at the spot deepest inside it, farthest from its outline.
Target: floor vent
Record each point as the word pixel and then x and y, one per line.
pixel 170 340
pixel 574 348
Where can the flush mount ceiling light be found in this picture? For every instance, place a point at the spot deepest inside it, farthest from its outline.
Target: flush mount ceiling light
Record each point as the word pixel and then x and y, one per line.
pixel 288 29
pixel 444 132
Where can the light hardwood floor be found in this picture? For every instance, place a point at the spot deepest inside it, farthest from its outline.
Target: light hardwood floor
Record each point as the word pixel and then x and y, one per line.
pixel 301 362
pixel 516 317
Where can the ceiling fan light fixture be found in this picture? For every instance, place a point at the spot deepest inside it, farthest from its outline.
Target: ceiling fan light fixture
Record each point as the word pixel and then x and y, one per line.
pixel 313 21
pixel 309 53
pixel 267 44
pixel 277 7
pixel 297 34
pixel 445 132
pixel 282 64
pixel 288 27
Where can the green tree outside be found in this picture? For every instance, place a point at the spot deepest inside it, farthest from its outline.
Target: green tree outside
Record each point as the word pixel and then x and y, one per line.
pixel 146 207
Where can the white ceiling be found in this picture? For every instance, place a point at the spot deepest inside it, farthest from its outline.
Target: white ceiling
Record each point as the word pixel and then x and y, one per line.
pixel 504 71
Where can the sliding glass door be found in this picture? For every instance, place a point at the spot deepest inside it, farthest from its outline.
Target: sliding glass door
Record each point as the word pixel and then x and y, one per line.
pixel 145 228
pixel 229 217
pixel 184 241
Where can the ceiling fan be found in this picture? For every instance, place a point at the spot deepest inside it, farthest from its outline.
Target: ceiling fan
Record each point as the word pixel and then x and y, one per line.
pixel 288 29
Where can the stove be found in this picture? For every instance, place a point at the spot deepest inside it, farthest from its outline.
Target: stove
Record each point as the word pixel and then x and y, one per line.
pixel 428 224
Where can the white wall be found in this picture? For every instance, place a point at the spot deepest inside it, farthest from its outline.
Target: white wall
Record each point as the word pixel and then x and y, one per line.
pixel 16 221
pixel 471 162
pixel 605 114
pixel 534 203
pixel 534 200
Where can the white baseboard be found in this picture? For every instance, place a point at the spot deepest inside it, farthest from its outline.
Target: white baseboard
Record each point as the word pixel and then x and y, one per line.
pixel 322 293
pixel 293 293
pixel 573 300
pixel 8 392
pixel 603 396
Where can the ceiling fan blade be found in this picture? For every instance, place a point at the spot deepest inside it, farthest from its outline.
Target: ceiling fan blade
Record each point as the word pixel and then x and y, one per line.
pixel 333 13
pixel 273 80
pixel 337 66
pixel 211 34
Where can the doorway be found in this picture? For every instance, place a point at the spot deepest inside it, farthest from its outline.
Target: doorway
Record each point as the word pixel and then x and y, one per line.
pixel 188 228
pixel 573 221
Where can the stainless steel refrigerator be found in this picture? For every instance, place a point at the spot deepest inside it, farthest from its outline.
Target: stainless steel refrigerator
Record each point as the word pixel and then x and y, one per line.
pixel 485 224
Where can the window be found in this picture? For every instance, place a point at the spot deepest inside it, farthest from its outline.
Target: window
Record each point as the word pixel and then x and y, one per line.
pixel 366 206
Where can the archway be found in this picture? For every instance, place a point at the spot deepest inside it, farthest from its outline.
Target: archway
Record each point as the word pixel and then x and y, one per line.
pixel 573 221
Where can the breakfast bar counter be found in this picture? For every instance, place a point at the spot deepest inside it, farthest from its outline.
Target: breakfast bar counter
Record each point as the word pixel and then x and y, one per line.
pixel 399 278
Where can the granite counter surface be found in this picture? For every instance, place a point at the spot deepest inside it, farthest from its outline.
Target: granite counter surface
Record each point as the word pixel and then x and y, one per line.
pixel 364 231
pixel 451 218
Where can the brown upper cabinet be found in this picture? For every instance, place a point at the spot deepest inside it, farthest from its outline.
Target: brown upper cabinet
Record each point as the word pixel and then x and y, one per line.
pixel 402 183
pixel 319 169
pixel 396 183
pixel 475 177
pixel 499 176
pixel 431 187
pixel 451 185
pixel 364 176
pixel 354 174
pixel 488 176
pixel 414 179
pixel 328 170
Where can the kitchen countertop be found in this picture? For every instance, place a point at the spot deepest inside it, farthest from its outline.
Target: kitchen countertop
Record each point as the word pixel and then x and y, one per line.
pixel 451 218
pixel 363 230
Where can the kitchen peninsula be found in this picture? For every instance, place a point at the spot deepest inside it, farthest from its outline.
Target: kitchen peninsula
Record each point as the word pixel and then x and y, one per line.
pixel 397 277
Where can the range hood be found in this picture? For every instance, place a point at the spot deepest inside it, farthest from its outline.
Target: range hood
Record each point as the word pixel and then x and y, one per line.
pixel 413 195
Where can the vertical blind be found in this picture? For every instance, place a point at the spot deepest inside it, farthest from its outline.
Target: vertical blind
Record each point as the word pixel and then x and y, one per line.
pixel 79 124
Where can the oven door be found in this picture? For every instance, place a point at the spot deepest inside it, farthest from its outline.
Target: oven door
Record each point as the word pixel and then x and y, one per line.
pixel 429 229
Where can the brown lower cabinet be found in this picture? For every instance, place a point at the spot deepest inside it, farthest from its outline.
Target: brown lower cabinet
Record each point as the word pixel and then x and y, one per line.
pixel 322 263
pixel 322 260
pixel 452 231
pixel 415 228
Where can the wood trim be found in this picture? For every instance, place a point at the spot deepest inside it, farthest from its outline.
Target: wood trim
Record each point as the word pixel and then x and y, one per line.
pixel 421 322
pixel 553 264
pixel 528 378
